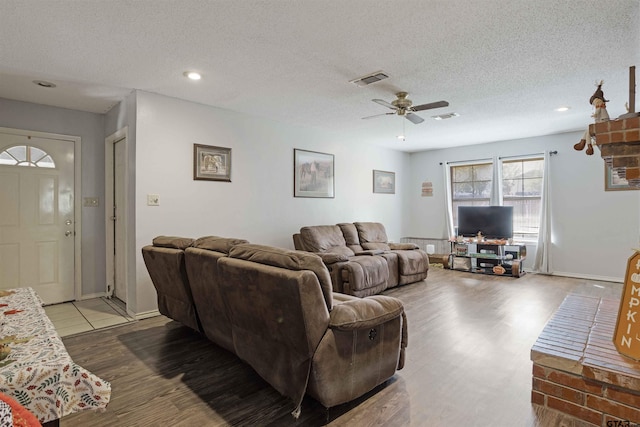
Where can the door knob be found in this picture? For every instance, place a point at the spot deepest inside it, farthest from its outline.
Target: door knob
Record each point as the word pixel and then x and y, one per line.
pixel 68 233
pixel 68 222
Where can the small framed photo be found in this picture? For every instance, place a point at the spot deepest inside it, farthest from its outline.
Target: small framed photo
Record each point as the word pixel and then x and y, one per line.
pixel 384 182
pixel 313 174
pixel 211 163
pixel 614 182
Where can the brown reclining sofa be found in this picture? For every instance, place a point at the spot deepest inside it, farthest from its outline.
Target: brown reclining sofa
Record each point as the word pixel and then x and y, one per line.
pixel 360 258
pixel 275 309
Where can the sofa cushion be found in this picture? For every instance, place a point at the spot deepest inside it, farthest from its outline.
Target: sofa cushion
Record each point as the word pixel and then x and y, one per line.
pixel 365 312
pixel 350 234
pixel 172 242
pixel 365 275
pixel 413 263
pixel 324 238
pixel 218 244
pixel 372 235
pixel 332 258
pixel 292 260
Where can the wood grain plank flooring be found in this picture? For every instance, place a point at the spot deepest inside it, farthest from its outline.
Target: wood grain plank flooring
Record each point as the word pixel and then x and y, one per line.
pixel 468 364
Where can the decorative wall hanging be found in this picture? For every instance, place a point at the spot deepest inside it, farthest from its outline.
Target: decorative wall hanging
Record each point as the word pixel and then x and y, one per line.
pixel 211 163
pixel 384 182
pixel 313 174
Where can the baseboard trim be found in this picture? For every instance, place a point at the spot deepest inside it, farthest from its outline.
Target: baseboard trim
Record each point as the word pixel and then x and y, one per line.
pixel 147 314
pixel 588 277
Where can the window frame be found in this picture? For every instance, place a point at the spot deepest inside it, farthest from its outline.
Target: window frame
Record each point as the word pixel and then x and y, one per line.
pixel 28 161
pixel 480 201
pixel 511 200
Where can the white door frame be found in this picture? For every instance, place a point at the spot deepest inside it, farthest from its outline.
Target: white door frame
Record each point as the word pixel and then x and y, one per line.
pixel 77 197
pixel 118 136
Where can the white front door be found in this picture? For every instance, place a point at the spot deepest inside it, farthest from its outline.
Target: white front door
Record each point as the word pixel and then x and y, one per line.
pixel 37 218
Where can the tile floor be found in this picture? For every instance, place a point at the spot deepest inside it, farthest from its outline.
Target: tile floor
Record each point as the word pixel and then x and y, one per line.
pixel 72 318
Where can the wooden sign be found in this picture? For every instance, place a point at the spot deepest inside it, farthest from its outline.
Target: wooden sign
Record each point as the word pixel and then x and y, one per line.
pixel 627 334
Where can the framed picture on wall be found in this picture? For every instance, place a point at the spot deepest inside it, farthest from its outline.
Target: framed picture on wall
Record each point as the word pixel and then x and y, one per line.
pixel 384 182
pixel 211 163
pixel 313 174
pixel 613 181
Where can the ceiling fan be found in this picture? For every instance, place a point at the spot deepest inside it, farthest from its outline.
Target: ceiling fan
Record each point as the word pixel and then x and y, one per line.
pixel 403 107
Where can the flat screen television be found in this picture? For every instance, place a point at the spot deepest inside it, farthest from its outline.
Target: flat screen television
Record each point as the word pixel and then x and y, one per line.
pixel 494 222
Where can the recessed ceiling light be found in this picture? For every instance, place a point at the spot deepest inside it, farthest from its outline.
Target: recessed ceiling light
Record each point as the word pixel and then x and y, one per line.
pixel 192 75
pixel 561 109
pixel 43 83
pixel 400 137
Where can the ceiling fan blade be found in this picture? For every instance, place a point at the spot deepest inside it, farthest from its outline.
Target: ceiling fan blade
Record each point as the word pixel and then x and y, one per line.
pixel 414 118
pixel 438 104
pixel 384 103
pixel 377 115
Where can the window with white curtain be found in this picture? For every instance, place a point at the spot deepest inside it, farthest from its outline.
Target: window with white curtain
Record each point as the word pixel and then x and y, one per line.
pixel 471 185
pixel 522 189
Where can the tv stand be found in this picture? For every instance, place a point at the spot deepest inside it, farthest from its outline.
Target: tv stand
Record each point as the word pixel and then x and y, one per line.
pixel 495 257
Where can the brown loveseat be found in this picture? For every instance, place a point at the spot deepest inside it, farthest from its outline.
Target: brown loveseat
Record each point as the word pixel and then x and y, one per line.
pixel 275 309
pixel 357 253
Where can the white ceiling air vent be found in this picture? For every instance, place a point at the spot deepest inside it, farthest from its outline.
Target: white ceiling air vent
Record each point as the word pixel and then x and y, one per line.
pixel 445 116
pixel 369 78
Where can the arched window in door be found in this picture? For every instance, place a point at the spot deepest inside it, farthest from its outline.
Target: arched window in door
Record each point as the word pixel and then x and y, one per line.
pixel 26 155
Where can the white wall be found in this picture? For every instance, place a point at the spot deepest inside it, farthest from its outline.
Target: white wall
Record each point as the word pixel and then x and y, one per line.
pixel 258 204
pixel 594 230
pixel 90 128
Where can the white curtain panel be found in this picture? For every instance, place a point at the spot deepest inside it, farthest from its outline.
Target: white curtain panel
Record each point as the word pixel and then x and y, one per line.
pixel 496 183
pixel 542 263
pixel 447 201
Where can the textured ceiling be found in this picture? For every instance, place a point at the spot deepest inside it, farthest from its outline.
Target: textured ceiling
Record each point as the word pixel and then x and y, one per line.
pixel 503 65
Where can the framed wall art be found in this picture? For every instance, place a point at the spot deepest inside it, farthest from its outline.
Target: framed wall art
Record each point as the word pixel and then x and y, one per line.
pixel 384 182
pixel 613 182
pixel 313 174
pixel 211 163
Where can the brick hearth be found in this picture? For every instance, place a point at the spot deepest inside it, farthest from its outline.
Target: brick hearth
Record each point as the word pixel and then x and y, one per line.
pixel 577 369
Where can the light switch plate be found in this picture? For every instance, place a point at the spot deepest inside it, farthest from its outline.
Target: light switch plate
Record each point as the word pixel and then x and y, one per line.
pixel 90 202
pixel 153 200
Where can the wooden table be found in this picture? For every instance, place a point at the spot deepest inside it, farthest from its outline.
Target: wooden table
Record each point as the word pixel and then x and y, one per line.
pixel 38 372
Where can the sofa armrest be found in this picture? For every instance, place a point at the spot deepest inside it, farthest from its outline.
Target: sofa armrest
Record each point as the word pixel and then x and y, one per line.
pixel 364 312
pixel 403 246
pixel 371 252
pixel 329 259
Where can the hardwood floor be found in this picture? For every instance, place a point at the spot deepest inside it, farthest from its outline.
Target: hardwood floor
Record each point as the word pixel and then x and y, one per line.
pixel 467 364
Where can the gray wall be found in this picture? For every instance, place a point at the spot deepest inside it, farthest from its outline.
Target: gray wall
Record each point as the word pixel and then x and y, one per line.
pixel 90 128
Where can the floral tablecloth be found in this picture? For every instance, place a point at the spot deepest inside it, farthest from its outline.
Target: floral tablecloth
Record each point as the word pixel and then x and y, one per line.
pixel 35 368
